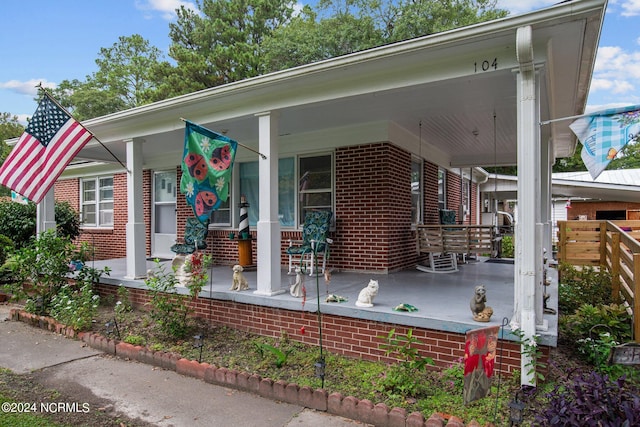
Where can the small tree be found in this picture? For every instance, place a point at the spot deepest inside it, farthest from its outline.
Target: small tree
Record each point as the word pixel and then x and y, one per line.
pixel 40 271
pixel 18 221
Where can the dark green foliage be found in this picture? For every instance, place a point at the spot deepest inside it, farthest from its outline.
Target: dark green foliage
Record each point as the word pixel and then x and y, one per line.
pixel 6 248
pixel 279 354
pixel 403 378
pixel 41 270
pixel 582 286
pixel 169 309
pixel 586 321
pixel 592 400
pixel 67 220
pixel 507 247
pixel 18 221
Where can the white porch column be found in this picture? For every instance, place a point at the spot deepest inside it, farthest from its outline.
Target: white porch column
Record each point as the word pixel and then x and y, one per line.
pixel 546 164
pixel 136 241
pixel 527 234
pixel 46 213
pixel 269 270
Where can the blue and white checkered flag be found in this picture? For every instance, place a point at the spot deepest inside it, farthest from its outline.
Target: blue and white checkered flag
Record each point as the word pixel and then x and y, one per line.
pixel 606 133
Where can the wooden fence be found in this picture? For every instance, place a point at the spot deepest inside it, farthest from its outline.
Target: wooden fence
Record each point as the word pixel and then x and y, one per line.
pixel 613 245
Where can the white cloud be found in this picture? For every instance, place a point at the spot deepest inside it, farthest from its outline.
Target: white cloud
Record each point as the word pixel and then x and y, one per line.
pixel 26 88
pixel 631 8
pixel 167 8
pixel 516 7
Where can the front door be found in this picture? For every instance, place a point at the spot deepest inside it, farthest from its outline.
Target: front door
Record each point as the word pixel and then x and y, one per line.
pixel 164 214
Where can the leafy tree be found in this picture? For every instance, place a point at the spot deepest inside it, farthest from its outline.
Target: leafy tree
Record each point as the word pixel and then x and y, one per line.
pixel 629 158
pixel 127 77
pixel 222 43
pixel 9 128
pixel 18 221
pixel 339 27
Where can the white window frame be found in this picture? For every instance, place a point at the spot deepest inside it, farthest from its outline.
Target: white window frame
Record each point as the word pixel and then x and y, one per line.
pixel 99 211
pixel 417 208
pixel 332 190
pixel 442 188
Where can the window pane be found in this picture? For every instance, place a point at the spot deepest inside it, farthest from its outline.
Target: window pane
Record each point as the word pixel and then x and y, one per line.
pixel 89 191
pixel 286 192
pixel 89 214
pixel 165 219
pixel 416 192
pixel 221 217
pixel 106 218
pixel 165 187
pixel 315 173
pixel 106 188
pixel 249 188
pixel 442 186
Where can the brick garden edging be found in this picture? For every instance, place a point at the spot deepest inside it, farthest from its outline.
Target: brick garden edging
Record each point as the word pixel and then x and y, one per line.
pixel 350 407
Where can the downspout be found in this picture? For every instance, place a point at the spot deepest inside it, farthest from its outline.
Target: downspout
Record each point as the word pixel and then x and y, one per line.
pixel 526 237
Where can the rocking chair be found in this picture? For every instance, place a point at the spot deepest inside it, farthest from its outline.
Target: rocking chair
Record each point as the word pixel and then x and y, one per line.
pixel 314 241
pixel 195 235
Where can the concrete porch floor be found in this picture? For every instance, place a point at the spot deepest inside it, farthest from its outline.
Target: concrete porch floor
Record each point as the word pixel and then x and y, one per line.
pixel 442 299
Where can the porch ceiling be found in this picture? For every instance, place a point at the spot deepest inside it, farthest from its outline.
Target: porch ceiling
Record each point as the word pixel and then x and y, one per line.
pixel 433 87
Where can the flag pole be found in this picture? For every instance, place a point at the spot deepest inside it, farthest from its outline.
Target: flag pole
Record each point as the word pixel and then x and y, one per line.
pixel 242 145
pixel 48 95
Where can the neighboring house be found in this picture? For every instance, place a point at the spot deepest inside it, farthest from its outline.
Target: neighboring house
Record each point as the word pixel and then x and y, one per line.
pixel 388 135
pixel 614 195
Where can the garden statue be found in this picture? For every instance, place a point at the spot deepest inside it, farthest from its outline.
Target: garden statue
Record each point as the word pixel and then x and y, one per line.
pixel 239 282
pixel 366 296
pixel 179 265
pixel 297 289
pixel 481 312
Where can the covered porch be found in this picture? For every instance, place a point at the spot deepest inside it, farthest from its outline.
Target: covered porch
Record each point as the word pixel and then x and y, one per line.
pixel 442 299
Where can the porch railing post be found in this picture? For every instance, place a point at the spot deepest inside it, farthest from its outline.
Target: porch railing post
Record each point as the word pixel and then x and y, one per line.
pixel 603 244
pixel 562 241
pixel 615 266
pixel 636 296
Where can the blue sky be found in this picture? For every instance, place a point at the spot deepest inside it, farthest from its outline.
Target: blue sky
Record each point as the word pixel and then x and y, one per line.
pixel 49 41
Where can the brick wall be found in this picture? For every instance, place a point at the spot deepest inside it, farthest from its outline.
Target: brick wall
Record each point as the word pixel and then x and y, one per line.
pixel 373 212
pixel 109 242
pixel 340 335
pixel 589 208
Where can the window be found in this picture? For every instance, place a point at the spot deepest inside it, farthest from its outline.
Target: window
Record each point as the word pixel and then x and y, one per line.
pixel 222 215
pixel 442 188
pixel 416 191
pixel 286 191
pixel 315 184
pixel 96 201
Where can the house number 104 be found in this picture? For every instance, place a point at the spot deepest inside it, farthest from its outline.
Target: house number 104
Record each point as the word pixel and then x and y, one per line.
pixel 485 65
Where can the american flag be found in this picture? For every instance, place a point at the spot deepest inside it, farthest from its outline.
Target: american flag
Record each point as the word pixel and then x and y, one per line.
pixel 52 139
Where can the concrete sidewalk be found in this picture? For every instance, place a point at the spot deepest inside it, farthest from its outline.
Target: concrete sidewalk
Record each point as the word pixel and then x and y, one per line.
pixel 139 391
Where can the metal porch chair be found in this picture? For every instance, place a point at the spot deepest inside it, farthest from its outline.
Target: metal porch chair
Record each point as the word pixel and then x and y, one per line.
pixel 315 241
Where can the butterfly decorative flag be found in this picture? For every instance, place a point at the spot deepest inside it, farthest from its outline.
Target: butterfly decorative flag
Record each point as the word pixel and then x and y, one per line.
pixel 604 134
pixel 207 162
pixel 52 139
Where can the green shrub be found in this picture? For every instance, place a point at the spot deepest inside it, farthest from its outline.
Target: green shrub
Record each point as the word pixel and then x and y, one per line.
pixel 589 322
pixel 507 247
pixel 43 266
pixel 18 221
pixel 169 309
pixel 6 248
pixel 67 220
pixel 582 286
pixel 75 307
pixel 402 378
pixel 135 340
